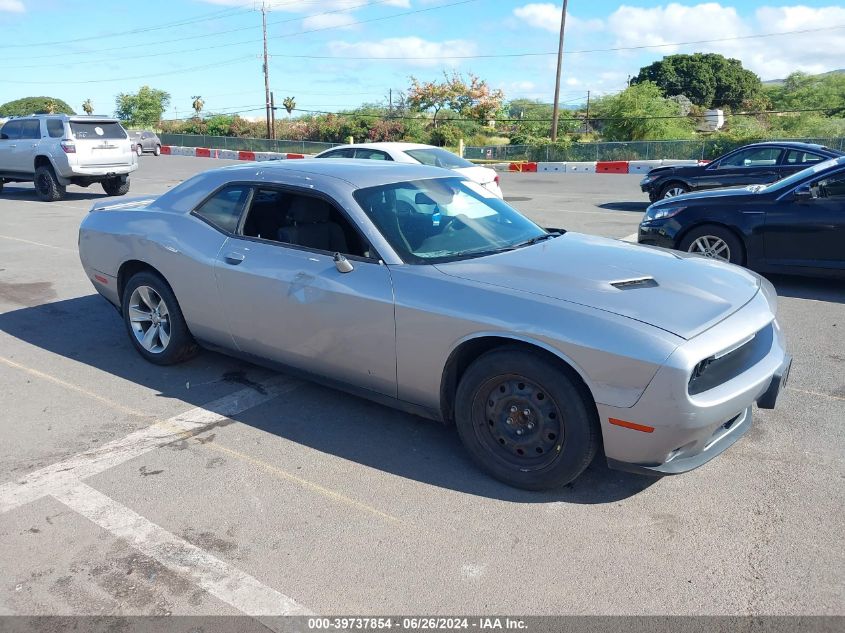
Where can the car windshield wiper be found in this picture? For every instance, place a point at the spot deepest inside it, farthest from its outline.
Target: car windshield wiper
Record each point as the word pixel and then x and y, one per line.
pixel 535 240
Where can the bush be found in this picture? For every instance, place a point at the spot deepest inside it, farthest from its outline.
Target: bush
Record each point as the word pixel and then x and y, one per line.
pixel 35 105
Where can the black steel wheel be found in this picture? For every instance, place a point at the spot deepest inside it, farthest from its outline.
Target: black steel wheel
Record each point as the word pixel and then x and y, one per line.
pixel 526 419
pixel 47 186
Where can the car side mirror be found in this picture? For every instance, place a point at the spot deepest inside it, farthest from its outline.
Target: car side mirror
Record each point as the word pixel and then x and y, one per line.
pixel 342 264
pixel 802 194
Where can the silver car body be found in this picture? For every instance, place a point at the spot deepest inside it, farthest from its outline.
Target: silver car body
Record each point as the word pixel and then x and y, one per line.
pixel 81 149
pixel 634 322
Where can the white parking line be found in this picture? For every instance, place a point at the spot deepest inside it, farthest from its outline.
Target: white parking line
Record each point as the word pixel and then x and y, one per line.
pixel 20 239
pixel 630 238
pixel 217 577
pixel 53 479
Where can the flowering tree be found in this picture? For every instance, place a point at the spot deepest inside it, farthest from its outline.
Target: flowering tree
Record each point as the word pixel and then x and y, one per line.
pixel 470 97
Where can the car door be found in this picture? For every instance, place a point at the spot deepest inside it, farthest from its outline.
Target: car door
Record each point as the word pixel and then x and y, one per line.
pixel 289 303
pixel 23 156
pixel 9 138
pixel 807 226
pixel 750 166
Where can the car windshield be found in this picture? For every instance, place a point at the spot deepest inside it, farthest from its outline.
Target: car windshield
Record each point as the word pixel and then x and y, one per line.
pixel 798 176
pixel 443 219
pixel 437 157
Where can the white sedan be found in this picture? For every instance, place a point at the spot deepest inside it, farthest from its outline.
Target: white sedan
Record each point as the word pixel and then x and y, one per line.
pixel 417 153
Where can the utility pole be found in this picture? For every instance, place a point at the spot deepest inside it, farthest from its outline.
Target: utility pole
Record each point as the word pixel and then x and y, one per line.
pixel 587 120
pixel 266 69
pixel 390 92
pixel 273 115
pixel 556 110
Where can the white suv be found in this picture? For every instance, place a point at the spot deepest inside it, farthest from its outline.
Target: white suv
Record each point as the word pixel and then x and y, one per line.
pixel 56 150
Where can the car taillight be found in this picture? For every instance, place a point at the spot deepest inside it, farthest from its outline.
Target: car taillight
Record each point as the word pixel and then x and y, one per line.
pixel 496 179
pixel 69 147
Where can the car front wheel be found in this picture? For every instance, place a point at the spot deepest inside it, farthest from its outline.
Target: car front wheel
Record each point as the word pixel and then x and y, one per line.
pixel 714 242
pixel 154 320
pixel 157 150
pixel 525 420
pixel 672 189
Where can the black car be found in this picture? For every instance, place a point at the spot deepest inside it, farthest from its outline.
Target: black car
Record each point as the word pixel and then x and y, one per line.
pixel 755 164
pixel 794 226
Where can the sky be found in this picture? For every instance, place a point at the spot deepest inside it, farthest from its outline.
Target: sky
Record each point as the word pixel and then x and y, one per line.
pixel 336 54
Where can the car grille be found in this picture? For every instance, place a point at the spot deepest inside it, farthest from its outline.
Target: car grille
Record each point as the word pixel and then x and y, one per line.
pixel 712 372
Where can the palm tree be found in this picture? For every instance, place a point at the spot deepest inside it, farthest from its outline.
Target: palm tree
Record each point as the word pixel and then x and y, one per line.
pixel 197 104
pixel 88 107
pixel 289 103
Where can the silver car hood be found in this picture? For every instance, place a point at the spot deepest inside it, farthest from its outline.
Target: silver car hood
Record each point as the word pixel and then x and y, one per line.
pixel 676 292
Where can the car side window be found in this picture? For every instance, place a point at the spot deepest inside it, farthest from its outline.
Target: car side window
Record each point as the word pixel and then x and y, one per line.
pixel 800 157
pixel 339 153
pixel 55 128
pixel 302 220
pixel 752 157
pixel 223 209
pixel 371 154
pixel 11 131
pixel 30 129
pixel 832 187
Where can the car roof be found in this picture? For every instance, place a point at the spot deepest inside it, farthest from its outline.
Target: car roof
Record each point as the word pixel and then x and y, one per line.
pixel 359 173
pixel 386 145
pixel 790 145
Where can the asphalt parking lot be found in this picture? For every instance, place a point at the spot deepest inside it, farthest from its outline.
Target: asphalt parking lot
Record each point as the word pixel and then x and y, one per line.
pixel 218 487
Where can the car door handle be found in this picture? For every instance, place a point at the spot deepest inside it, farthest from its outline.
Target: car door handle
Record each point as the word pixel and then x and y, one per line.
pixel 234 258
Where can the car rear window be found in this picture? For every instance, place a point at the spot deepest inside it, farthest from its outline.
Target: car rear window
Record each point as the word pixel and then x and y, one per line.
pixel 438 157
pixel 96 130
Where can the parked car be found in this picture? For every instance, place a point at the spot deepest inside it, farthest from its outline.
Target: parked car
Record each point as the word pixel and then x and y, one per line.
pixel 418 288
pixel 795 226
pixel 145 141
pixel 755 164
pixel 56 150
pixel 416 153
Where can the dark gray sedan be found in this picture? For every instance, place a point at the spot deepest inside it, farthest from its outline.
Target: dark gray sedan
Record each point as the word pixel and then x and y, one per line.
pixel 418 288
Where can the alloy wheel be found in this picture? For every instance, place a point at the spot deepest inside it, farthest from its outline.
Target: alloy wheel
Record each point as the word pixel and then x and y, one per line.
pixel 674 191
pixel 149 318
pixel 712 247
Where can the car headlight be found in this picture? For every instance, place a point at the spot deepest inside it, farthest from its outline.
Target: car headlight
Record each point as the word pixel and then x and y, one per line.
pixel 661 213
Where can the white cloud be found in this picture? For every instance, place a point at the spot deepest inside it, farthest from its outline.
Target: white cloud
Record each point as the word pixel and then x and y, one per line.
pixel 426 53
pixel 328 21
pixel 297 7
pixel 546 16
pixel 13 6
pixel 769 57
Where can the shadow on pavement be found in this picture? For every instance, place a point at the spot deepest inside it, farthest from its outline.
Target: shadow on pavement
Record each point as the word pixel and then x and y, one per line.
pixel 92 192
pixel 639 207
pixel 90 331
pixel 816 288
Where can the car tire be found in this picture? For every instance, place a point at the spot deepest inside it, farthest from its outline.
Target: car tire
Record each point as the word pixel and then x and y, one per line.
pixel 116 186
pixel 526 420
pixel 2 182
pixel 715 242
pixel 672 189
pixel 138 149
pixel 157 150
pixel 172 343
pixel 47 186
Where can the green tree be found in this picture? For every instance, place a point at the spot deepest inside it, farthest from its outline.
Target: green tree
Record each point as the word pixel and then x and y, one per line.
pixel 143 108
pixel 803 91
pixel 707 79
pixel 35 105
pixel 638 113
pixel 88 107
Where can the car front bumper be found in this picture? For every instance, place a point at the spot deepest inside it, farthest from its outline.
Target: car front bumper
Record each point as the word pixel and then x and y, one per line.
pixel 690 429
pixel 659 233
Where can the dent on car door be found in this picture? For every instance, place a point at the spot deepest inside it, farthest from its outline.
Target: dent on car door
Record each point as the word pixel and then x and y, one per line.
pixel 288 302
pixel 807 227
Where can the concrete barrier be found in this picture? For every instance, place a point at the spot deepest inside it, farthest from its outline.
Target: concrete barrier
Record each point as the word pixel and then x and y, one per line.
pixel 612 167
pixel 580 168
pixel 642 166
pixel 522 167
pixel 558 167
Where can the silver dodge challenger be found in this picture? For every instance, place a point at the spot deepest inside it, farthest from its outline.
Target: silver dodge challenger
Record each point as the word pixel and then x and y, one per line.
pixel 420 289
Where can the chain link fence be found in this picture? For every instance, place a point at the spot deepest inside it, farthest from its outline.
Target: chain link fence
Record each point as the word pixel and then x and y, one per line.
pixel 634 150
pixel 246 144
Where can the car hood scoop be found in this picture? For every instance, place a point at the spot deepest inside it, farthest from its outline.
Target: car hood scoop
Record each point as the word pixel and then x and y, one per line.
pixel 676 292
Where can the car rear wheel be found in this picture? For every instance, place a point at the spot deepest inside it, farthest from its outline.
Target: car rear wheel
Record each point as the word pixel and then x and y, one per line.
pixel 672 189
pixel 157 150
pixel 116 186
pixel 47 186
pixel 714 242
pixel 525 420
pixel 154 320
